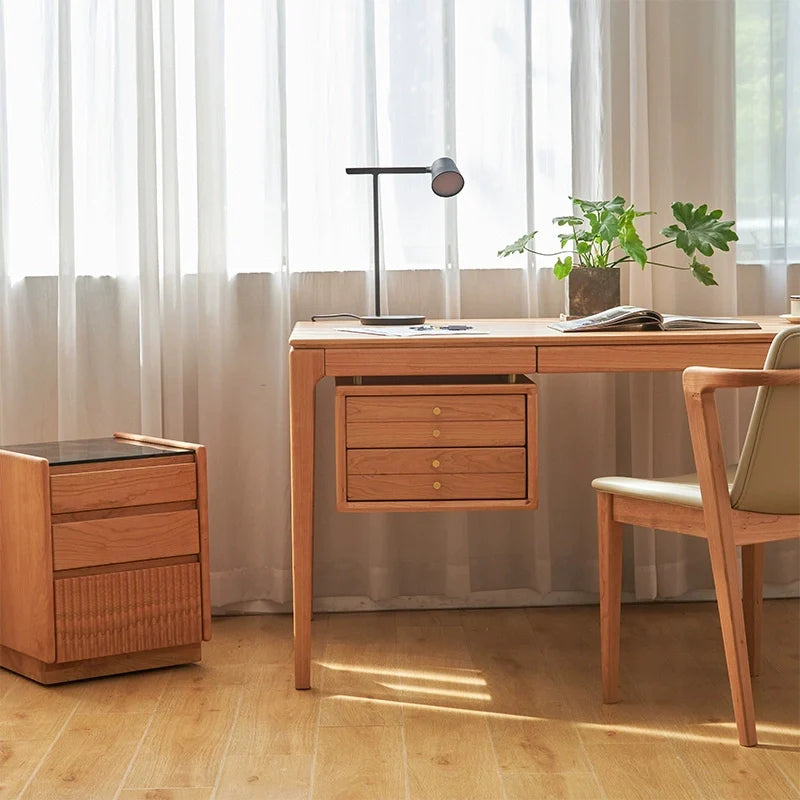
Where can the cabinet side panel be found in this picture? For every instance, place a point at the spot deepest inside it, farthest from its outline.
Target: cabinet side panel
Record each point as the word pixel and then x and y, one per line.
pixel 26 557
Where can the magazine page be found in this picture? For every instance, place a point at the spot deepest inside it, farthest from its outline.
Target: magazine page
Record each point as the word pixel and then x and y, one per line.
pixel 678 322
pixel 617 318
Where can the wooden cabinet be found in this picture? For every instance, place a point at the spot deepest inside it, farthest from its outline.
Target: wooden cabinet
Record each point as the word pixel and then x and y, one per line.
pixel 103 556
pixel 406 446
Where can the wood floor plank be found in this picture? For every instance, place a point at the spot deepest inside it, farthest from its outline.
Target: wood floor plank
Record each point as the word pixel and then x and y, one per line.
pixel 360 764
pixel 450 756
pixel 275 719
pixel 537 745
pixel 187 737
pixel 265 777
pixel 642 771
pixel 568 786
pixel 89 758
pixel 165 794
pixel 31 711
pixel 18 760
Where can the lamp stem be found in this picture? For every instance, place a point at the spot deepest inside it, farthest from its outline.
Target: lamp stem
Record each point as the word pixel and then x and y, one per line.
pixel 377 244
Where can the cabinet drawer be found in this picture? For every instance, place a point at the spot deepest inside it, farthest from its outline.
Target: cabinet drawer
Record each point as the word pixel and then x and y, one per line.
pixel 116 488
pixel 502 486
pixel 118 539
pixel 433 461
pixel 408 408
pixel 126 612
pixel 426 434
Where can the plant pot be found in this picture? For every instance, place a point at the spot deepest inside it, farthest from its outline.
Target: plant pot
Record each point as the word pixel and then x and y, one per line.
pixel 590 291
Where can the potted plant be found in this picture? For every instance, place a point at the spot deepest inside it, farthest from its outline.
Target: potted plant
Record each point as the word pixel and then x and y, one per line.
pixel 602 234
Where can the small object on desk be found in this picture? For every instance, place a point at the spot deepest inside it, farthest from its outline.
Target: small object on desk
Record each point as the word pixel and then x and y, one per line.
pixel 794 305
pixel 441 327
pixel 622 318
pixel 417 330
pixel 794 319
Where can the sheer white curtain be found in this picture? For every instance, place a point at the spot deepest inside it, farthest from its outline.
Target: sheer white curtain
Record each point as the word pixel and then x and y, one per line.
pixel 173 196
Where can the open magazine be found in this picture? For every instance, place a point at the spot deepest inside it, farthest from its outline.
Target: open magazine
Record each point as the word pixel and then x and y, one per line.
pixel 635 318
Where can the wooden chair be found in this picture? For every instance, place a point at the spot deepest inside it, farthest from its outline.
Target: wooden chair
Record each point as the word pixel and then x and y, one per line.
pixel 761 504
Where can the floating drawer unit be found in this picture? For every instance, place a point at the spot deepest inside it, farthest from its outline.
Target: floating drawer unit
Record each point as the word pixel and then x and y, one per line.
pixel 415 447
pixel 103 556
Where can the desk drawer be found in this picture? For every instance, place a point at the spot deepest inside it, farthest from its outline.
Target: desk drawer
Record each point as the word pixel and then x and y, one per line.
pixel 127 612
pixel 425 434
pixel 503 486
pixel 121 487
pixel 435 461
pixel 403 445
pixel 438 408
pixel 116 540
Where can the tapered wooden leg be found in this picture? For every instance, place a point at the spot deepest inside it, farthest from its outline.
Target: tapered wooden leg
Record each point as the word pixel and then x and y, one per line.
pixel 609 534
pixel 306 367
pixel 752 601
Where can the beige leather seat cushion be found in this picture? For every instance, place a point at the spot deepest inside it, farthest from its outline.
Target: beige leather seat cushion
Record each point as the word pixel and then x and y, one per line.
pixel 680 490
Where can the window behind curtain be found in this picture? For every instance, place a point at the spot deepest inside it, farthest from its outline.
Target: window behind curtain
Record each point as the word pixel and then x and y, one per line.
pixel 309 88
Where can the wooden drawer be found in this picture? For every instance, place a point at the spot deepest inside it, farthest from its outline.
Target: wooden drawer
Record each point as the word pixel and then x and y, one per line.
pixel 436 408
pixel 120 487
pixel 116 540
pixel 425 434
pixel 433 461
pixel 510 485
pixel 127 612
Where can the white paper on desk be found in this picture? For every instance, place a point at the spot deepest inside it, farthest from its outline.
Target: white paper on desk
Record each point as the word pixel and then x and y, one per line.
pixel 406 330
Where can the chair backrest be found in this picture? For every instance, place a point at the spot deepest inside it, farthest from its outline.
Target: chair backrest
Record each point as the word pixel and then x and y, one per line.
pixel 768 476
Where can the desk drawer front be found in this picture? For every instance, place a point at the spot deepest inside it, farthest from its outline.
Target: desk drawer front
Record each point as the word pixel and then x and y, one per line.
pixel 426 434
pixel 126 612
pixel 435 461
pixel 435 408
pixel 502 486
pixel 117 488
pixel 119 539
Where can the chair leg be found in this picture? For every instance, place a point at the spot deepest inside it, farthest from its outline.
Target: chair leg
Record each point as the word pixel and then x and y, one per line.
pixel 609 534
pixel 752 597
pixel 731 617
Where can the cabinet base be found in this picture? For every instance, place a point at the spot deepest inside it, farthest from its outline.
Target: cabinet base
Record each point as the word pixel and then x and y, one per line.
pixel 95 667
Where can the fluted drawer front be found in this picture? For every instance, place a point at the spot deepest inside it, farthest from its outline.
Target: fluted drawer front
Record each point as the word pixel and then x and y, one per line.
pixel 428 434
pixel 116 488
pixel 431 487
pixel 126 612
pixel 435 460
pixel 442 407
pixel 118 539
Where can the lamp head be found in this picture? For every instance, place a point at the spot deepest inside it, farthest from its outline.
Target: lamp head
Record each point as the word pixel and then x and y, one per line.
pixel 446 180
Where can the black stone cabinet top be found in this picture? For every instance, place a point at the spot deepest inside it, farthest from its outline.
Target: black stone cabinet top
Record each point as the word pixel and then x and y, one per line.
pixel 84 451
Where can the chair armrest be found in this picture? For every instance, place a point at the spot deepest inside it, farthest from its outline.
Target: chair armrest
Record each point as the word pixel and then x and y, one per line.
pixel 700 380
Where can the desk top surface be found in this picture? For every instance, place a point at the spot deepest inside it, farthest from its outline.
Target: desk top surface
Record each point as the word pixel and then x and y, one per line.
pixel 492 332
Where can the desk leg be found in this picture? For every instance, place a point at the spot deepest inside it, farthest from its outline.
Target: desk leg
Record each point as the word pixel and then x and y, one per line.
pixel 306 367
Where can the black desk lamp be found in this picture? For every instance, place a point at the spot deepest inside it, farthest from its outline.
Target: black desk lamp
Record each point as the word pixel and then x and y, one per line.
pixel 446 181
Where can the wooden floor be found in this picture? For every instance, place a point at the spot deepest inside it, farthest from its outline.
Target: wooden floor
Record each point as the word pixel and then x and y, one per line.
pixel 471 705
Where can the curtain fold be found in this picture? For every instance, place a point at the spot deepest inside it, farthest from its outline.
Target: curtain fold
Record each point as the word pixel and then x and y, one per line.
pixel 173 198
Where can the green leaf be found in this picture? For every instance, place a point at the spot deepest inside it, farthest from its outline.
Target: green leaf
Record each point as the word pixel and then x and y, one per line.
pixel 608 227
pixel 518 246
pixel 702 273
pixel 702 230
pixel 568 220
pixel 615 206
pixel 631 243
pixel 562 267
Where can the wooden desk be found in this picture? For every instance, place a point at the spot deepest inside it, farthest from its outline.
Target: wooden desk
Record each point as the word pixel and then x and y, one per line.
pixel 510 347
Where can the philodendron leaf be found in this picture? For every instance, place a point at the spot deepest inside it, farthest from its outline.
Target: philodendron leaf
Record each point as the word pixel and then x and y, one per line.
pixel 702 273
pixel 518 246
pixel 608 227
pixel 631 243
pixel 562 267
pixel 702 231
pixel 568 221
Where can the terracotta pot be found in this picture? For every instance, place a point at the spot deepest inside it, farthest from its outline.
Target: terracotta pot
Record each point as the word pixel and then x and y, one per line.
pixel 590 291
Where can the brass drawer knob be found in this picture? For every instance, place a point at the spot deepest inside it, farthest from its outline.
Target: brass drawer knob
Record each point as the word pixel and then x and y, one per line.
pixel 435 464
pixel 437 411
pixel 436 434
pixel 437 485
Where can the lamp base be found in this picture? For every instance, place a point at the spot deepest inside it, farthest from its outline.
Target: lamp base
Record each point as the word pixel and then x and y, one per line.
pixel 393 319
